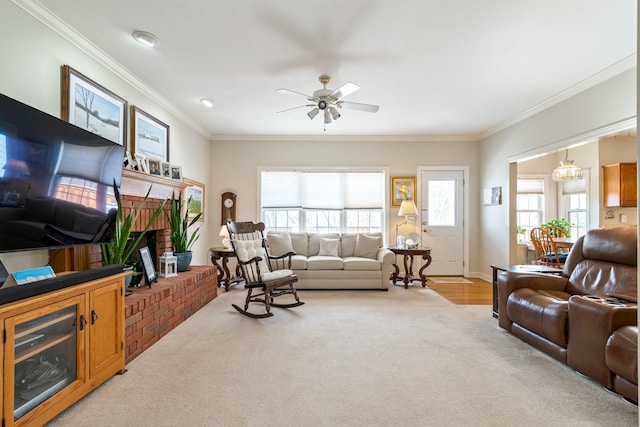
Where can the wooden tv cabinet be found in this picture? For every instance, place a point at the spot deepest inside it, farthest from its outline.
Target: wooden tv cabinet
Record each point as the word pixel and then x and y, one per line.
pixel 59 346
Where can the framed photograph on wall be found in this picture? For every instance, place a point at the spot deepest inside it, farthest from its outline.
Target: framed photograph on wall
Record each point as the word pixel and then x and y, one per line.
pixel 149 136
pixel 195 191
pixel 92 107
pixel 402 188
pixel 492 196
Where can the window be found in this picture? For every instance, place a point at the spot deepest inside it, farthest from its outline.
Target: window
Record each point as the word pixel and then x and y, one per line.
pixel 323 202
pixel 530 203
pixel 575 199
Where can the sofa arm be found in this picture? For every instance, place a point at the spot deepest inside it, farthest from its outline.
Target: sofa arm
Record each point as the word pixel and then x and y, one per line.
pixel 385 256
pixel 592 320
pixel 509 281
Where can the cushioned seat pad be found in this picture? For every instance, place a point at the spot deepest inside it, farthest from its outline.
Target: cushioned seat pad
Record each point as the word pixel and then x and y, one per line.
pixel 622 353
pixel 542 312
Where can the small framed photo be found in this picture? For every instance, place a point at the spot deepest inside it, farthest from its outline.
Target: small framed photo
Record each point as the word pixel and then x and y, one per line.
pixel 166 170
pixel 150 274
pixel 402 188
pixel 194 195
pixel 141 161
pixel 149 136
pixel 176 172
pixel 155 167
pixel 92 107
pixel 492 196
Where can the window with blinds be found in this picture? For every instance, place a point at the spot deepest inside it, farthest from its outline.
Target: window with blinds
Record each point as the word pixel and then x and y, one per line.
pixel 530 203
pixel 322 201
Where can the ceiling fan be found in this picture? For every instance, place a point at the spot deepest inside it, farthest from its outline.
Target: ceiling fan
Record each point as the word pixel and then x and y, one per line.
pixel 328 100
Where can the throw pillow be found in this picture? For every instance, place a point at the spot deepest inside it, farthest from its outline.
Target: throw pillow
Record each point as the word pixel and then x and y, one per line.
pixel 329 247
pixel 279 243
pixel 367 246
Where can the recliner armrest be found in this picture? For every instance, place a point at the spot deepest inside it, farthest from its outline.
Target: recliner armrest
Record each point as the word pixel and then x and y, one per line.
pixel 509 281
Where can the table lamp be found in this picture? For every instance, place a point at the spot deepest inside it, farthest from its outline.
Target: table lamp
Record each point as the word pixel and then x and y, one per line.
pixel 407 208
pixel 224 233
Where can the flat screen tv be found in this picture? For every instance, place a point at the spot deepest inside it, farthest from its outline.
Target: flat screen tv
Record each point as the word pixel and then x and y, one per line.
pixel 56 181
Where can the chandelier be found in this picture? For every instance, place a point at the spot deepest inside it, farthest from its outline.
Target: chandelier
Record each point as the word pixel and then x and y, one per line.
pixel 567 170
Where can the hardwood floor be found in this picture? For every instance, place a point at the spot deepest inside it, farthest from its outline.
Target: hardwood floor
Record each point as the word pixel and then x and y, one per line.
pixel 477 293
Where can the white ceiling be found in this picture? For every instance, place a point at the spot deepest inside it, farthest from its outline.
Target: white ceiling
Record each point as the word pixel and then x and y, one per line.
pixel 435 67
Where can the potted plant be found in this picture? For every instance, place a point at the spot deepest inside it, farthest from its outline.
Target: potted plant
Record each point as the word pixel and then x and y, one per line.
pixel 182 239
pixel 560 223
pixel 119 251
pixel 521 231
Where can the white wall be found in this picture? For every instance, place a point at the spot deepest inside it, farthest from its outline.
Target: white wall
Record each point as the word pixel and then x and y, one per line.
pixel 32 56
pixel 599 107
pixel 234 166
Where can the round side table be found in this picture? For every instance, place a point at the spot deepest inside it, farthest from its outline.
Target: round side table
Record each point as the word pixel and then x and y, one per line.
pixel 408 265
pixel 224 275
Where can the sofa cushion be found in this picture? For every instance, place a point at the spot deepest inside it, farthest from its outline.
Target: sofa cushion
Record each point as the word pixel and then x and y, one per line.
pixel 361 264
pixel 329 247
pixel 621 353
pixel 316 238
pixel 544 313
pixel 367 245
pixel 300 243
pixel 279 243
pixel 299 262
pixel 348 244
pixel 324 263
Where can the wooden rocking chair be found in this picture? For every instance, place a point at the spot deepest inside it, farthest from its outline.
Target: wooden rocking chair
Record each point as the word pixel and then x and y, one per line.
pixel 271 276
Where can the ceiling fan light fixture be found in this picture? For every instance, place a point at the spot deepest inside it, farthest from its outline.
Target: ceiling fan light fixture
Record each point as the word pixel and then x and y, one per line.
pixel 145 38
pixel 322 104
pixel 567 170
pixel 327 117
pixel 334 113
pixel 313 113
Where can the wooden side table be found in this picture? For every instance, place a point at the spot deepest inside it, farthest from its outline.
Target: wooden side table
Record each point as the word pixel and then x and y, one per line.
pixel 408 265
pixel 224 275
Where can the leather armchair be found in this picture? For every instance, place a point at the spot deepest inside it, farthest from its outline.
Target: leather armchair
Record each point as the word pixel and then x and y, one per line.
pixel 572 316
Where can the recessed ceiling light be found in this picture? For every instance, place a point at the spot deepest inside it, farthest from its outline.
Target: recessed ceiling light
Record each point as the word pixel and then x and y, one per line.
pixel 145 38
pixel 207 102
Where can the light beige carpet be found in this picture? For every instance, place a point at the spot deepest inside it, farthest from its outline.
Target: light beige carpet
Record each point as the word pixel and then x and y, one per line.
pixel 406 357
pixel 449 280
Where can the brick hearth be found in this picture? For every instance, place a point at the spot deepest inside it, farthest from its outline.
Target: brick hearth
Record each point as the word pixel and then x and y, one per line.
pixel 151 313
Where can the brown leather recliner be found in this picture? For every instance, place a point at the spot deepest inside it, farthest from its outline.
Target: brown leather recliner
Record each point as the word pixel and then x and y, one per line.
pixel 621 355
pixel 571 316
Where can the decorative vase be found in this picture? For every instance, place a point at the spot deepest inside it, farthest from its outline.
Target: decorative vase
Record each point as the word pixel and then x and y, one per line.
pixel 184 260
pixel 129 278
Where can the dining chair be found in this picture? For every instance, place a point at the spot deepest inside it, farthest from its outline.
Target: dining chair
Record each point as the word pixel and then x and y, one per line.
pixel 546 250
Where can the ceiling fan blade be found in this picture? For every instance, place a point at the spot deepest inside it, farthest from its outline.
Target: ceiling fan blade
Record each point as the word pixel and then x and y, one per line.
pixel 344 90
pixel 295 108
pixel 370 108
pixel 293 92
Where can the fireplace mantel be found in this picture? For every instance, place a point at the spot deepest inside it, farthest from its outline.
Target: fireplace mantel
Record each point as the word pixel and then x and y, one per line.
pixel 137 184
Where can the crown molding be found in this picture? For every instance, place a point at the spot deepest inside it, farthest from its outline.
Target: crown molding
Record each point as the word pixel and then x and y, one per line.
pixel 347 138
pixel 604 75
pixel 44 15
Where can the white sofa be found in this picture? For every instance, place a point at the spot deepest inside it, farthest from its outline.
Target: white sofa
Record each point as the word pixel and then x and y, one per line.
pixel 336 261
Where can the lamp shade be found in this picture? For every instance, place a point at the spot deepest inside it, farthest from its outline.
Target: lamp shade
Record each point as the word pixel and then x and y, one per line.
pixel 224 232
pixel 408 207
pixel 567 170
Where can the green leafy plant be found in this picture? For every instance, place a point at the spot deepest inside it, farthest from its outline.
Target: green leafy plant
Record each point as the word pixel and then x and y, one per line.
pixel 521 230
pixel 120 250
pixel 561 223
pixel 179 222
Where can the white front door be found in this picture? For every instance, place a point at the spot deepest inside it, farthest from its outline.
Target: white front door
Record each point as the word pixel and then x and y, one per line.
pixel 441 213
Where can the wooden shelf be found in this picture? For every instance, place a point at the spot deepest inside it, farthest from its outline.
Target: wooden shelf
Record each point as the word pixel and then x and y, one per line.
pixel 136 183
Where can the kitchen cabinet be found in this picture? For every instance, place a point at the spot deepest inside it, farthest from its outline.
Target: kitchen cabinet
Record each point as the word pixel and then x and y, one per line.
pixel 620 185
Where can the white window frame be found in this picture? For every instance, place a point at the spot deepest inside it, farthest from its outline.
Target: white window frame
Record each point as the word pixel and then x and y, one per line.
pixel 301 219
pixel 545 197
